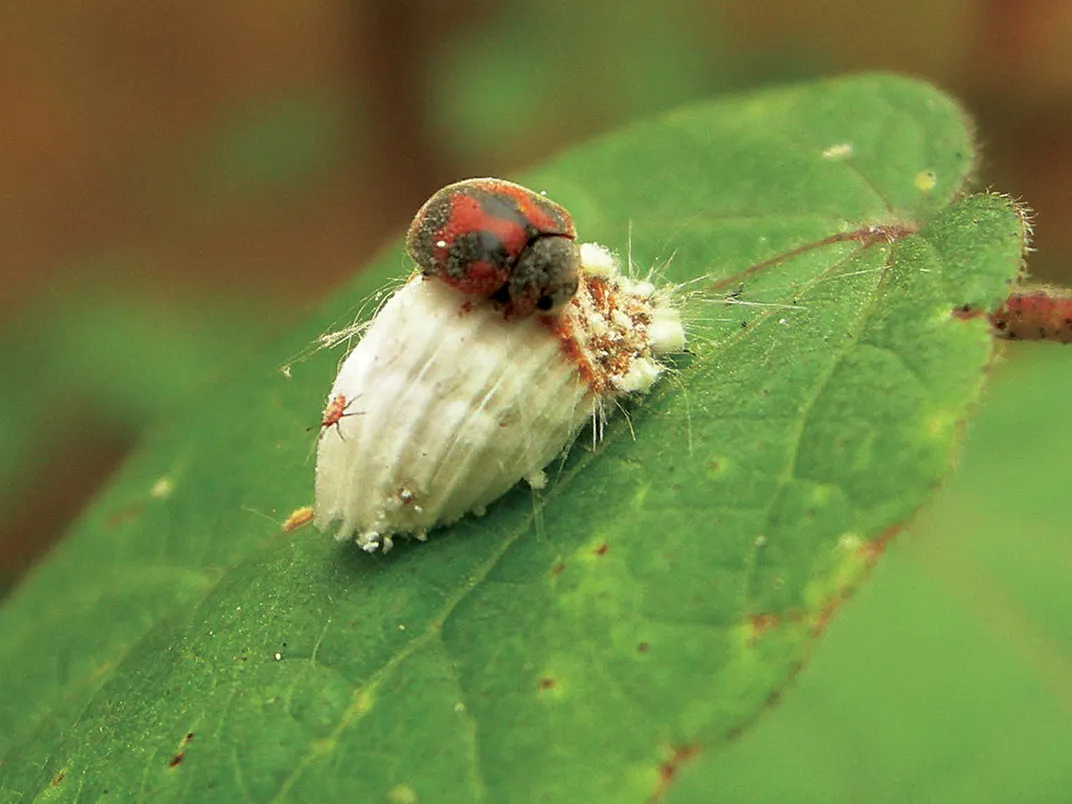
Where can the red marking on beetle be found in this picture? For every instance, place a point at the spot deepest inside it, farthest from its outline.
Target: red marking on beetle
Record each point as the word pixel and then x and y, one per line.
pixel 602 549
pixel 467 214
pixel 668 770
pixel 481 279
pixel 866 236
pixel 536 210
pixel 546 683
pixel 1036 314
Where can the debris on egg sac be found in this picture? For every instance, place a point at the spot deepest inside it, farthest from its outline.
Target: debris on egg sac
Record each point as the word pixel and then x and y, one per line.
pixel 451 402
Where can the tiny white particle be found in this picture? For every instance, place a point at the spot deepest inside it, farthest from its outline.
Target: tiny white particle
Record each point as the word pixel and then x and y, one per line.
pixel 665 332
pixel 838 152
pixel 641 375
pixel 849 541
pixel 441 244
pixel 782 321
pixel 597 261
pixel 537 479
pixel 643 290
pixel 279 657
pixel 162 488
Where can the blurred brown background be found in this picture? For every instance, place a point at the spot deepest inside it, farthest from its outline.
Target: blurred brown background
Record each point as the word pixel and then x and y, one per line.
pixel 181 178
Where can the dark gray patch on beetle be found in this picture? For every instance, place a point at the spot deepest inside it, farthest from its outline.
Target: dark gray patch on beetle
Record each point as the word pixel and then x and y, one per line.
pixel 473 247
pixel 421 240
pixel 503 208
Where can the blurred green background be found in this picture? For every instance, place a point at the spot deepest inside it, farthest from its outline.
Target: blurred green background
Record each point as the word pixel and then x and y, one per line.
pixel 182 179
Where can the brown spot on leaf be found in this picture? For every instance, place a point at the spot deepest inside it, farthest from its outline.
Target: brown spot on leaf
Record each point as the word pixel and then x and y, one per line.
pixel 602 549
pixel 557 569
pixel 872 551
pixel 761 623
pixel 829 609
pixel 546 683
pixel 57 780
pixel 180 755
pixel 668 769
pixel 966 312
pixel 124 515
pixel 643 647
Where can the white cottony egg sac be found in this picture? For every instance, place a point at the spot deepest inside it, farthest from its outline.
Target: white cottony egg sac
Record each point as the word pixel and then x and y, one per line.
pixel 445 403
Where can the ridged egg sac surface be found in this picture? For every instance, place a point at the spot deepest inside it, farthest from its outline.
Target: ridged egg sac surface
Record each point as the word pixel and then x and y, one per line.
pixel 445 403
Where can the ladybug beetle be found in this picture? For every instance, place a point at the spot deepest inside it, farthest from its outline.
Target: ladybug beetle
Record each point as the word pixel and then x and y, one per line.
pixel 498 240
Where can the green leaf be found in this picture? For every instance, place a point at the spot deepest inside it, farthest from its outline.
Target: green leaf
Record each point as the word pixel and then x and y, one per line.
pixel 95 361
pixel 948 678
pixel 582 645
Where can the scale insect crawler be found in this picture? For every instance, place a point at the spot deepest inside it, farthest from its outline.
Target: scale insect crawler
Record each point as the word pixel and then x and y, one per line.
pixel 484 366
pixel 336 410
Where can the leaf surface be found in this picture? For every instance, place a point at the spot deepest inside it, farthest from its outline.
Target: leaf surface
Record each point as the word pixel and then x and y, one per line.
pixel 583 644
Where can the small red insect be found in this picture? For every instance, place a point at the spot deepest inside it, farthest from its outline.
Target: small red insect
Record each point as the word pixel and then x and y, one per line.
pixel 335 412
pixel 498 240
